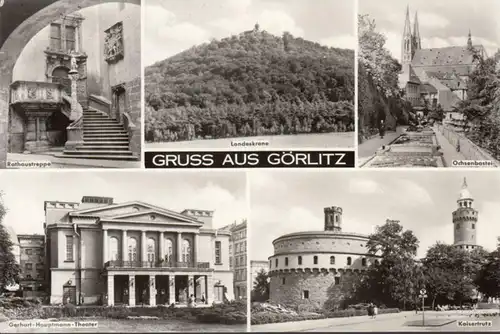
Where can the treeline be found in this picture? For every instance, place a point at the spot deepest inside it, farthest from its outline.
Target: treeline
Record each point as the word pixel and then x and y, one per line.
pixel 204 91
pixel 283 118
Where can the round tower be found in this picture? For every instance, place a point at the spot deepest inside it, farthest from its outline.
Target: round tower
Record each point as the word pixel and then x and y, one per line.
pixel 465 220
pixel 333 219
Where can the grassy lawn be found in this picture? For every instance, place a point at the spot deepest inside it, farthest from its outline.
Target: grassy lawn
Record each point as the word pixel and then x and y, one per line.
pixel 129 326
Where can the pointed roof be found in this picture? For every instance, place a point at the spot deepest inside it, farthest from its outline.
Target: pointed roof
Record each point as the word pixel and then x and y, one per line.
pixel 416 31
pixel 469 40
pixel 465 193
pixel 407 29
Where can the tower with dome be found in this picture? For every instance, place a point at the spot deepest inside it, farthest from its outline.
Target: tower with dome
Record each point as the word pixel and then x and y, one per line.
pixel 465 219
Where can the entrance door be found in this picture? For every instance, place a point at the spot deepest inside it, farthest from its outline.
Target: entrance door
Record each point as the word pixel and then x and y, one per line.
pixel 69 295
pixel 219 293
pixel 61 75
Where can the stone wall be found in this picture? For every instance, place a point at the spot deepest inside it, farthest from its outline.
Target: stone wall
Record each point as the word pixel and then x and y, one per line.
pixel 133 97
pixel 291 292
pixel 321 242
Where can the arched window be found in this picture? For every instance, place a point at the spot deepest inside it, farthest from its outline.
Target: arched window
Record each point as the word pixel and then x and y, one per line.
pixel 113 249
pixel 169 250
pixel 315 259
pixel 186 251
pixel 300 260
pixel 349 261
pixel 132 249
pixel 286 261
pixel 363 262
pixel 151 250
pixel 332 259
pixel 336 219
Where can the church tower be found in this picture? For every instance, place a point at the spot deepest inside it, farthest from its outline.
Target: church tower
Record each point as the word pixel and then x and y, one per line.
pixel 465 220
pixel 417 45
pixel 333 219
pixel 469 41
pixel 407 42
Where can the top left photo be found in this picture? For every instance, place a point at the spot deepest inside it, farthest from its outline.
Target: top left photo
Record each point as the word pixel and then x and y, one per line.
pixel 70 84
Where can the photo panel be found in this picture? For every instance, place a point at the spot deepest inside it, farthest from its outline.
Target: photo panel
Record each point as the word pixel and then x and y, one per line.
pixel 70 76
pixel 353 251
pixel 249 76
pixel 428 84
pixel 119 253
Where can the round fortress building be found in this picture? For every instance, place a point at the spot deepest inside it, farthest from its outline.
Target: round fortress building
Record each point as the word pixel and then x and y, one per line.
pixel 305 265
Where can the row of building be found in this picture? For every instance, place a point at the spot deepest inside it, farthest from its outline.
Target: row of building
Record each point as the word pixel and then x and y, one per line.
pixel 100 252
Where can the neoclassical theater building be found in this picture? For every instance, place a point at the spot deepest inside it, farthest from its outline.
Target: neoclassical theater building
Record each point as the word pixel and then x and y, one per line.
pixel 305 265
pixel 134 253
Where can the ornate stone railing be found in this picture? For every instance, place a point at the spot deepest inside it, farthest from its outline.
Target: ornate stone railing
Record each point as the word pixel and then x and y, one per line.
pixel 164 264
pixel 36 92
pixel 75 134
pixel 100 103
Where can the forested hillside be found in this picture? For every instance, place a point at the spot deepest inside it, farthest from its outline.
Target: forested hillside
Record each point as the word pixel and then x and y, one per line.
pixel 250 84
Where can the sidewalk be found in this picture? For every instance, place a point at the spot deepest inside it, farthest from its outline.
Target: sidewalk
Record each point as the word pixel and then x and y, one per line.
pixel 71 162
pixel 449 151
pixel 371 146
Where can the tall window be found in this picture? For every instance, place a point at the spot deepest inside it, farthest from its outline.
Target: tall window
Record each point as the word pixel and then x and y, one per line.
pixel 300 260
pixel 70 38
pixel 113 249
pixel 218 259
pixel 363 262
pixel 151 250
pixel 55 36
pixel 168 250
pixel 332 259
pixel 349 261
pixel 132 249
pixel 186 251
pixel 69 248
pixel 315 259
pixel 286 261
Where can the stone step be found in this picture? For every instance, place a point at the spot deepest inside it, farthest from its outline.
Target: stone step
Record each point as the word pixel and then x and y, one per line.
pixel 86 147
pixel 104 136
pixel 104 132
pixel 99 152
pixel 71 154
pixel 106 122
pixel 106 141
pixel 87 127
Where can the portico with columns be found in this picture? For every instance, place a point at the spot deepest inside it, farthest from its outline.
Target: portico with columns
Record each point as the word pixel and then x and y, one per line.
pixel 142 255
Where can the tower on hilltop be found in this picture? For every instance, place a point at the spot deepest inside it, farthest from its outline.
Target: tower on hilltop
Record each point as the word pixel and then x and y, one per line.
pixel 465 220
pixel 333 219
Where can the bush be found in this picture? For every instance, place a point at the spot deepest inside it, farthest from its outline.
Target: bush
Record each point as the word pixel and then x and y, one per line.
pixel 231 313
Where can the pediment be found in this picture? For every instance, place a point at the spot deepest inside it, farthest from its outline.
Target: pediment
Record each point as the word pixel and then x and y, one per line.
pixel 135 211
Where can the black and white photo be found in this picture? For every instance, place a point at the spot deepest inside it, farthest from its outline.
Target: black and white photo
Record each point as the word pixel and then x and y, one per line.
pixel 249 74
pixel 353 251
pixel 428 83
pixel 70 76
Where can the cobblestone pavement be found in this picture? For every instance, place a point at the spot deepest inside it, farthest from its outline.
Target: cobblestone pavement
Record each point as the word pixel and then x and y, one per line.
pixel 384 322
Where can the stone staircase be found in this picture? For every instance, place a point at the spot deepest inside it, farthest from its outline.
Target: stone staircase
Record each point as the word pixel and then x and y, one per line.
pixel 103 138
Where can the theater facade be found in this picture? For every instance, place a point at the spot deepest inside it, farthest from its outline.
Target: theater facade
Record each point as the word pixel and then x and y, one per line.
pixel 135 253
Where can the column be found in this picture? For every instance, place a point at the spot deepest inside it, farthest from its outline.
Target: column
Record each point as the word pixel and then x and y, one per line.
pixel 124 246
pixel 179 247
pixel 77 38
pixel 37 122
pixel 171 289
pixel 210 289
pixel 161 237
pixel 104 246
pixel 195 248
pixel 111 290
pixel 152 290
pixel 144 257
pixel 191 284
pixel 131 290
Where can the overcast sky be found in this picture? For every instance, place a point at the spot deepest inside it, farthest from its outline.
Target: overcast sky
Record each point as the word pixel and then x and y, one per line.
pixel 172 26
pixel 26 191
pixel 442 23
pixel 285 202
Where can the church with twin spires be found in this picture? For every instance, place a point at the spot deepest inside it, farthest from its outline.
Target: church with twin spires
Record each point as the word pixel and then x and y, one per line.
pixel 435 76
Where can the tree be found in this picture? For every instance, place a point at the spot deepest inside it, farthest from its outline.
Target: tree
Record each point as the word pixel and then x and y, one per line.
pixel 9 269
pixel 489 276
pixel 260 292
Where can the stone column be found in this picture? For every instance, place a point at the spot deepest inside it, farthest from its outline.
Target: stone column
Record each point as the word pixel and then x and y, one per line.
pixel 179 247
pixel 30 134
pixel 161 237
pixel 104 246
pixel 152 290
pixel 131 290
pixel 144 255
pixel 111 290
pixel 191 284
pixel 124 246
pixel 195 248
pixel 210 289
pixel 171 289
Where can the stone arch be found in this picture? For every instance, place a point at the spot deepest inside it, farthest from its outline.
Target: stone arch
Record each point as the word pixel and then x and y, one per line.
pixel 17 40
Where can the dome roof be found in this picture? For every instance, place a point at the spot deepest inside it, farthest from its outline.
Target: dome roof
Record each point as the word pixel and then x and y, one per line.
pixel 465 193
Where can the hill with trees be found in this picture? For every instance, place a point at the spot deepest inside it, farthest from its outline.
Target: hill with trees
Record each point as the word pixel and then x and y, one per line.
pixel 250 84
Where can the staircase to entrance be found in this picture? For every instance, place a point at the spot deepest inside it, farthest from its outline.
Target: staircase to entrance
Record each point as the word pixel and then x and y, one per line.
pixel 103 138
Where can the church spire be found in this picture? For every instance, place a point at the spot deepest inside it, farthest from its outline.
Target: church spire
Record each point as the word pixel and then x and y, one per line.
pixel 464 185
pixel 407 40
pixel 416 33
pixel 469 40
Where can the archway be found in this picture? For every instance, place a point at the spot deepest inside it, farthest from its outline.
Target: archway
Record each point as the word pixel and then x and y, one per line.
pixel 42 14
pixel 61 75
